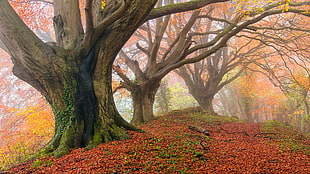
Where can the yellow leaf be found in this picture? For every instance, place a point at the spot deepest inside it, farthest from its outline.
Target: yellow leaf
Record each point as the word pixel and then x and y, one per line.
pixel 103 4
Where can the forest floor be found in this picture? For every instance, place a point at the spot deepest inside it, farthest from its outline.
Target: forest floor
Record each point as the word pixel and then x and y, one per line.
pixel 178 142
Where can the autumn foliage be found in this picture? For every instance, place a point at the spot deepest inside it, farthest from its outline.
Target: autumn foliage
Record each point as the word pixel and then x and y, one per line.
pixel 24 133
pixel 36 14
pixel 26 121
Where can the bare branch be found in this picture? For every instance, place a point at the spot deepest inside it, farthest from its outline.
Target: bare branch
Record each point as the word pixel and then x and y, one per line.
pixel 92 36
pixel 133 65
pixel 180 7
pixel 89 17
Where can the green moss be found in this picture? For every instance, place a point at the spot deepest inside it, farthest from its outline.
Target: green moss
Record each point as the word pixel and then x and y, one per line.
pixel 97 138
pixel 287 136
pixel 61 151
pixel 39 163
pixel 271 125
pixel 106 134
pixel 47 151
pixel 214 119
pixel 118 133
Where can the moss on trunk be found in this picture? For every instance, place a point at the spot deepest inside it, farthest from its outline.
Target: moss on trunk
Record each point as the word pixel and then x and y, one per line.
pixel 143 101
pixel 83 117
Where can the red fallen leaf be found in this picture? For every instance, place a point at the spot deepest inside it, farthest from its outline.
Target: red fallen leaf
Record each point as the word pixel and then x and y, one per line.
pixel 170 147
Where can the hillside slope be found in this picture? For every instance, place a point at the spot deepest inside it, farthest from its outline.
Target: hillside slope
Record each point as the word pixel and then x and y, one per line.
pixel 178 143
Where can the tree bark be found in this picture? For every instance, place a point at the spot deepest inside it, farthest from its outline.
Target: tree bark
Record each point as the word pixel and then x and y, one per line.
pixel 143 107
pixel 204 101
pixel 143 101
pixel 77 84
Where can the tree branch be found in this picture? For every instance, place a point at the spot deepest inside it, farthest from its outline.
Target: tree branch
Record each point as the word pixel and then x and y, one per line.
pixel 67 23
pixel 127 82
pixel 220 40
pixel 180 7
pixel 133 65
pixel 89 17
pixel 92 35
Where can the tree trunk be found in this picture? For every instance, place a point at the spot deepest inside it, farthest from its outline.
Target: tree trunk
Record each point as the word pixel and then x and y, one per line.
pixel 143 101
pixel 143 108
pixel 77 83
pixel 204 101
pixel 206 104
pixel 85 115
pixel 248 108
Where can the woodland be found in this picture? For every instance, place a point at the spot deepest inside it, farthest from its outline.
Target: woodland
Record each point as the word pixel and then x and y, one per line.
pixel 182 86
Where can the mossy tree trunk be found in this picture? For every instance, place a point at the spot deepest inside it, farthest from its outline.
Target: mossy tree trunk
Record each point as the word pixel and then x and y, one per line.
pixel 143 97
pixel 74 74
pixel 85 114
pixel 204 101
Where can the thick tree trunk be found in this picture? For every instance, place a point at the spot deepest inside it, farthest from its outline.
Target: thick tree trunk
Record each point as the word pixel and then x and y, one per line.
pixel 143 107
pixel 85 115
pixel 143 101
pixel 85 112
pixel 109 123
pixel 206 103
pixel 70 93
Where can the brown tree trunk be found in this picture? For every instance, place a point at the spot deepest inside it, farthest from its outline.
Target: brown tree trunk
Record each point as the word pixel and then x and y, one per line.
pixel 205 102
pixel 143 101
pixel 143 108
pixel 85 114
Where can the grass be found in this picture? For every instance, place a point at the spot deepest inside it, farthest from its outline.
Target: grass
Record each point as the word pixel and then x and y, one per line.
pixel 288 137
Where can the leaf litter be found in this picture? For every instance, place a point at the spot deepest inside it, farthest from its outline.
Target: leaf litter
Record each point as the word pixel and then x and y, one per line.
pixel 169 146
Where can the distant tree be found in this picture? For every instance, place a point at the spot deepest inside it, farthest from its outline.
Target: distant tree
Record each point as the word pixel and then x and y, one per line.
pixel 163 97
pixel 167 44
pixel 204 79
pixel 283 59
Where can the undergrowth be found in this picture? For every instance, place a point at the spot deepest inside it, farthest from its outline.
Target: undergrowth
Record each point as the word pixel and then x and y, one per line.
pixel 287 136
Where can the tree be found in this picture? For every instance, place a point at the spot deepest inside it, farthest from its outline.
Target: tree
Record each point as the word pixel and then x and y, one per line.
pixel 74 74
pixel 163 97
pixel 283 59
pixel 287 66
pixel 159 61
pixel 205 78
pixel 163 55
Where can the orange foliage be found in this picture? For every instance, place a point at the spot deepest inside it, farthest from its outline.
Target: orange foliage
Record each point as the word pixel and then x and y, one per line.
pixel 36 14
pixel 24 132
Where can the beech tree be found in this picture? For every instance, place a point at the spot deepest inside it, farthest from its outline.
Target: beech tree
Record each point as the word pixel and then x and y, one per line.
pixel 163 55
pixel 283 58
pixel 205 78
pixel 285 61
pixel 74 73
